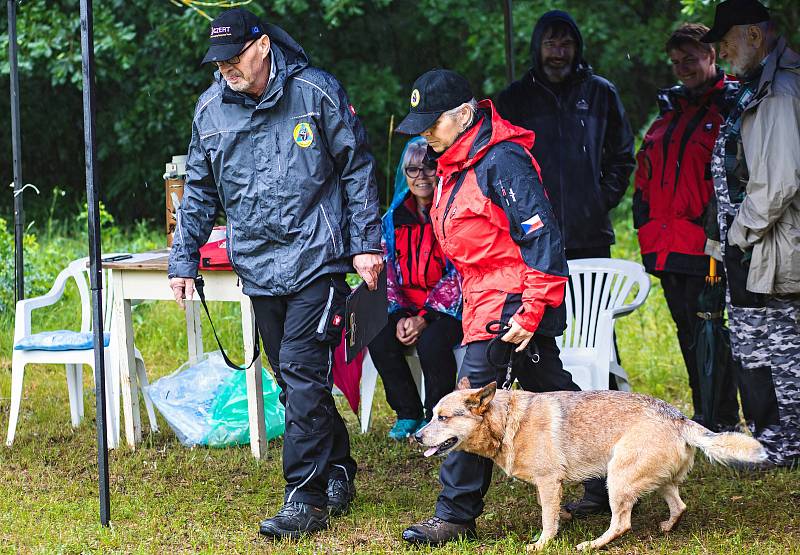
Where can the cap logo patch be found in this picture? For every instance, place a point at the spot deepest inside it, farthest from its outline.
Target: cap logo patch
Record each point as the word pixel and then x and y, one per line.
pixel 220 32
pixel 255 30
pixel 303 135
pixel 415 98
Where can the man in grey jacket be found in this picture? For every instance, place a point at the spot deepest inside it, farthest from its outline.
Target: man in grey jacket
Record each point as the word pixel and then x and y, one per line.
pixel 277 147
pixel 756 170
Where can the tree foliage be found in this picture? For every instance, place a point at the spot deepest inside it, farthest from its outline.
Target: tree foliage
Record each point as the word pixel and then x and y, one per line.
pixel 148 77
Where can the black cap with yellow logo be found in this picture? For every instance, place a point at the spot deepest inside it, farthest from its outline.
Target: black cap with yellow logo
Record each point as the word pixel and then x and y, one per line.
pixel 434 93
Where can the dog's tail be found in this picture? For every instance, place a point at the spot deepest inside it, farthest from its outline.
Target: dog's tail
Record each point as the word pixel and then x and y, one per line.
pixel 723 448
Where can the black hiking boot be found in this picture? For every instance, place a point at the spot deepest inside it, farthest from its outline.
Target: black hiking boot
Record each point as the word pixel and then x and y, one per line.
pixel 340 495
pixel 293 520
pixel 435 531
pixel 585 507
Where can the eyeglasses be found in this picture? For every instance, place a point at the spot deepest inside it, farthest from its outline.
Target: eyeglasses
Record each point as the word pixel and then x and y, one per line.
pixel 415 171
pixel 236 59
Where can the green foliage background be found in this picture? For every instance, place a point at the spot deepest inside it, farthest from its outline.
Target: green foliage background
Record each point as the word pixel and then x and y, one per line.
pixel 148 78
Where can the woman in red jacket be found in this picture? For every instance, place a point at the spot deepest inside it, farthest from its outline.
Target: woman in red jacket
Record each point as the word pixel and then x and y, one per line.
pixel 424 298
pixel 674 188
pixel 494 222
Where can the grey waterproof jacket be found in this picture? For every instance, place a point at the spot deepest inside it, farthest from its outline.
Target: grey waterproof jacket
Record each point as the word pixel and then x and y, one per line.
pixel 291 171
pixel 768 221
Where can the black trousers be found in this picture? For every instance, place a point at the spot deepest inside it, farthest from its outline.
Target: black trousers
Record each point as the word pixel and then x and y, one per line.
pixel 466 477
pixel 316 445
pixel 435 350
pixel 682 292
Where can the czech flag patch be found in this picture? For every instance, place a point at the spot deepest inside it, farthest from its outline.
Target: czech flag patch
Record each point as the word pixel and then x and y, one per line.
pixel 532 224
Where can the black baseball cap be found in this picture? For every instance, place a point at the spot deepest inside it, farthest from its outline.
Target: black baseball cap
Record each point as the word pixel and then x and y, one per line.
pixel 735 12
pixel 230 31
pixel 434 92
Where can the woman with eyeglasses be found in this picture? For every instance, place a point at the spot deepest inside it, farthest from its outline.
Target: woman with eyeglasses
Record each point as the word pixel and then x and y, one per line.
pixel 424 298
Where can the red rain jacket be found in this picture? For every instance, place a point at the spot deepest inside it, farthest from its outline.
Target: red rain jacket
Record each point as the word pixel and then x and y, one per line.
pixel 673 178
pixel 495 224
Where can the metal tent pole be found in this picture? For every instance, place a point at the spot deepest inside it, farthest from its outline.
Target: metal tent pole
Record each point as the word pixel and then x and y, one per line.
pixel 509 29
pixel 16 142
pixel 95 274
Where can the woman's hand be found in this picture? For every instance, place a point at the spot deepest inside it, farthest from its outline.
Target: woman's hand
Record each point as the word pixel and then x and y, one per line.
pixel 517 335
pixel 409 329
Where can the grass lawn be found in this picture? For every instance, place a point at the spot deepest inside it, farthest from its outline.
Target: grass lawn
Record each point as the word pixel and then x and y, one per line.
pixel 166 498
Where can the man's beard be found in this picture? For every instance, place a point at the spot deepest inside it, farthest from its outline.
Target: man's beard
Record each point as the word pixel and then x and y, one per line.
pixel 557 74
pixel 747 60
pixel 240 86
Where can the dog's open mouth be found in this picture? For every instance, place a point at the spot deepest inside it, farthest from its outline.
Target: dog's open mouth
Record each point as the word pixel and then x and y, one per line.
pixel 443 447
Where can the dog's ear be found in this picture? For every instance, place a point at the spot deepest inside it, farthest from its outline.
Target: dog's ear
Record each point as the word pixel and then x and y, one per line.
pixel 479 401
pixel 463 383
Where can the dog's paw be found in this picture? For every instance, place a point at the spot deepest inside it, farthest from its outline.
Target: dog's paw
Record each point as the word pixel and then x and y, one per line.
pixel 538 546
pixel 666 525
pixel 584 546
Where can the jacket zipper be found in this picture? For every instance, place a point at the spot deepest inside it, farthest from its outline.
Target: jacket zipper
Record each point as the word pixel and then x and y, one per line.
pixel 278 150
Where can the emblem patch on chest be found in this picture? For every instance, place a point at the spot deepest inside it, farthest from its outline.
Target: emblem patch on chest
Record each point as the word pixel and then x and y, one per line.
pixel 303 135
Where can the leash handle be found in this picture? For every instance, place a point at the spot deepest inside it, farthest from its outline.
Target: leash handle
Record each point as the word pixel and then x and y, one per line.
pixel 199 285
pixel 500 328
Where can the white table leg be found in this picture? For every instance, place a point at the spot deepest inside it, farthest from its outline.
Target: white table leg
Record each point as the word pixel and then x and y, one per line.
pixel 123 330
pixel 194 331
pixel 255 385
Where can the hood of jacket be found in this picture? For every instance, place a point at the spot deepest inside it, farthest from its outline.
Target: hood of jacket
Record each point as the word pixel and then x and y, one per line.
pixel 781 58
pixel 475 142
pixel 289 58
pixel 580 68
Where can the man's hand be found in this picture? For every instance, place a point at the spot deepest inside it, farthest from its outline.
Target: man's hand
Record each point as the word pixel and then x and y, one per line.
pixel 517 335
pixel 409 329
pixel 368 265
pixel 182 288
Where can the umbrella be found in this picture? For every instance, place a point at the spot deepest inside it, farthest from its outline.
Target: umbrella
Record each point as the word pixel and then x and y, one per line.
pixel 713 346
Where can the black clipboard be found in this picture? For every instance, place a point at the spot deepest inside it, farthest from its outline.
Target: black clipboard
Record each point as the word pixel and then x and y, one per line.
pixel 366 314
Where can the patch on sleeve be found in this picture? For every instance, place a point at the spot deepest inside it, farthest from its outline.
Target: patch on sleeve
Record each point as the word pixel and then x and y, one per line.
pixel 532 224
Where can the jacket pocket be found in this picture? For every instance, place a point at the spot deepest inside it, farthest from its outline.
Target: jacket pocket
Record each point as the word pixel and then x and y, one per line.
pixel 332 226
pixel 331 322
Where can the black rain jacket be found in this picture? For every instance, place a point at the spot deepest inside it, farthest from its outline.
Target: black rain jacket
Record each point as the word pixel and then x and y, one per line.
pixel 292 172
pixel 584 143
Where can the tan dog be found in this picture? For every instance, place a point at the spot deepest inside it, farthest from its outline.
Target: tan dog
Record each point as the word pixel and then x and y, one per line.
pixel 642 444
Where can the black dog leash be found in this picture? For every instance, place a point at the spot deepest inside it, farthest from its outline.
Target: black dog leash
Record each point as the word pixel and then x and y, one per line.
pixel 499 328
pixel 199 284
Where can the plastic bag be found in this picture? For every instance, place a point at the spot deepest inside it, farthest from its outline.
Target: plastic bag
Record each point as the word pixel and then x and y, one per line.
pixel 229 422
pixel 197 400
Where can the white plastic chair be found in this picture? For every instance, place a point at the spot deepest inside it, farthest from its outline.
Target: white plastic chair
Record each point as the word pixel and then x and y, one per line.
pixel 73 359
pixel 369 380
pixel 595 298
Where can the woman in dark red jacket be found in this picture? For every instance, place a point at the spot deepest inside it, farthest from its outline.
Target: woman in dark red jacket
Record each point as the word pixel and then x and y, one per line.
pixel 494 222
pixel 674 188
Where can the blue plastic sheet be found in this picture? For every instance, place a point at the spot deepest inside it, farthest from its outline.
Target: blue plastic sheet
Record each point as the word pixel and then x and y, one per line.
pixel 206 403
